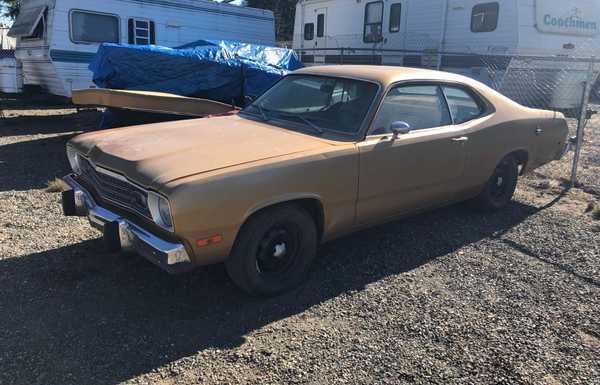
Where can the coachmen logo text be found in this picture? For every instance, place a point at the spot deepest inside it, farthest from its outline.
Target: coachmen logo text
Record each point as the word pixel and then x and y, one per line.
pixel 573 21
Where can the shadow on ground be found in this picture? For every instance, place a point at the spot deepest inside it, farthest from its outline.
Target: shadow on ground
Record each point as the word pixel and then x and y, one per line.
pixel 77 315
pixel 26 165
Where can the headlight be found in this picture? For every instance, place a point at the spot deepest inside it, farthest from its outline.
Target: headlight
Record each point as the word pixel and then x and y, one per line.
pixel 74 160
pixel 160 210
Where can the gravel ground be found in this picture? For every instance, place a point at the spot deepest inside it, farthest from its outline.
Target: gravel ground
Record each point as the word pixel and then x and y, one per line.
pixel 449 297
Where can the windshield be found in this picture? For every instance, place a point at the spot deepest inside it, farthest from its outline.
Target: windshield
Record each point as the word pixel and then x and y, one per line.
pixel 317 102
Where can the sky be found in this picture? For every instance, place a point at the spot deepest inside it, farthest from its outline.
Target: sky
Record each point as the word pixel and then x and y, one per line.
pixel 3 20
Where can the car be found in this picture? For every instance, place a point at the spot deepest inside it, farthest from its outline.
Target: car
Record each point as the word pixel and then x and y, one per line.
pixel 325 152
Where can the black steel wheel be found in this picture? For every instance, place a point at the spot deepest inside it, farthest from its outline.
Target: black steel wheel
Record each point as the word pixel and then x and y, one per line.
pixel 274 251
pixel 500 188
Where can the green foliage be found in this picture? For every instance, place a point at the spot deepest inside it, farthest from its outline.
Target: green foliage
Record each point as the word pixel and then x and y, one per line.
pixel 284 10
pixel 9 8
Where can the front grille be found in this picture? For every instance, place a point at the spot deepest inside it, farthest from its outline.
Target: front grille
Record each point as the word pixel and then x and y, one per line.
pixel 114 190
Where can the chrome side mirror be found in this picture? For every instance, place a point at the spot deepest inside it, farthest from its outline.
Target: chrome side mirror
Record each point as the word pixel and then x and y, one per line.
pixel 399 128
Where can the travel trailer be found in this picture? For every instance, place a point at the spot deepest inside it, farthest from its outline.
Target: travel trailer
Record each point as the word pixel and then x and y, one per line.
pixel 57 39
pixel 11 80
pixel 523 48
pixel 6 42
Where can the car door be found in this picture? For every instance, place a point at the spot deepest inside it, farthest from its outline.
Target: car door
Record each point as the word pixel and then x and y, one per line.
pixel 415 170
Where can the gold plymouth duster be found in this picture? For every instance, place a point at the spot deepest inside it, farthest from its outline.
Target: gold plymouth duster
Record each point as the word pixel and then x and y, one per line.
pixel 327 151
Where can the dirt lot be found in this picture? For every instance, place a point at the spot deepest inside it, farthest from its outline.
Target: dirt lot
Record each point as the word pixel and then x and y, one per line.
pixel 449 297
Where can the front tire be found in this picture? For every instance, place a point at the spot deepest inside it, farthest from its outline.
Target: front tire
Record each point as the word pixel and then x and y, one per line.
pixel 500 188
pixel 273 251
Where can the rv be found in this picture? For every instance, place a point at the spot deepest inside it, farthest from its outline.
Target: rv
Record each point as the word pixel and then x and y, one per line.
pixel 57 39
pixel 11 80
pixel 530 50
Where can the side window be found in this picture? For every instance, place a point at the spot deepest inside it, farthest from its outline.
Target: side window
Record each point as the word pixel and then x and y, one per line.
pixel 309 31
pixel 463 106
pixel 373 22
pixel 395 17
pixel 484 17
pixel 321 25
pixel 421 106
pixel 141 31
pixel 90 27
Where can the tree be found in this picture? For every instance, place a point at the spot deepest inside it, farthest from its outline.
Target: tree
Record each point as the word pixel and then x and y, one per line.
pixel 285 11
pixel 10 8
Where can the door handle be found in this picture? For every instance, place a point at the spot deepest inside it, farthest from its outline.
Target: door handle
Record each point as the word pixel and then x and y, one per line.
pixel 539 131
pixel 461 139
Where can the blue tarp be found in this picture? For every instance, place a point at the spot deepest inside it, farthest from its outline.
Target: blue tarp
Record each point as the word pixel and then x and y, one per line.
pixel 225 71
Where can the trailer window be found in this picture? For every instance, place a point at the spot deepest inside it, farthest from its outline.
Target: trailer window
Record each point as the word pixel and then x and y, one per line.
pixel 141 31
pixel 30 23
pixel 484 17
pixel 321 25
pixel 309 31
pixel 373 22
pixel 90 27
pixel 395 17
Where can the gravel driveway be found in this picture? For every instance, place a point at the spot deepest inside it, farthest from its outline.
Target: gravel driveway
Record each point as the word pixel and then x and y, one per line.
pixel 448 297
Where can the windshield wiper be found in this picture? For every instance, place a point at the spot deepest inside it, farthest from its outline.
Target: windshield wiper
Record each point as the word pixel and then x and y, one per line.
pixel 262 112
pixel 308 122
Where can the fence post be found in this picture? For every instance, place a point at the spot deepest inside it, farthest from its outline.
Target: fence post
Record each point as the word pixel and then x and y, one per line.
pixel 587 89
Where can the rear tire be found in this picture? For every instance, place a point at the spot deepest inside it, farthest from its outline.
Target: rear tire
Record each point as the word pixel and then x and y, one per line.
pixel 273 251
pixel 500 188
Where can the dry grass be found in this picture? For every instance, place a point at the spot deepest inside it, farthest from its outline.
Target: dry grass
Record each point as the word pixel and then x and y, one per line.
pixel 594 209
pixel 596 212
pixel 56 185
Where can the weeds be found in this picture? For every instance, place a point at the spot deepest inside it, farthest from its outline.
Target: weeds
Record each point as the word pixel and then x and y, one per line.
pixel 56 185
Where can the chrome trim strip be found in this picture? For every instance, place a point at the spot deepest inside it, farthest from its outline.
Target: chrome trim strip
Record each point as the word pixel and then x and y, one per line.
pixel 171 257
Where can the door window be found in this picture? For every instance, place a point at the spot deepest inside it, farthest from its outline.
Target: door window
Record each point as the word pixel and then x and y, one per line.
pixel 395 17
pixel 321 25
pixel 373 22
pixel 91 27
pixel 484 17
pixel 309 31
pixel 421 106
pixel 463 107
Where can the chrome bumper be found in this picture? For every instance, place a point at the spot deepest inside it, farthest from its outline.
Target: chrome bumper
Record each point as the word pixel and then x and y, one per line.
pixel 569 146
pixel 171 257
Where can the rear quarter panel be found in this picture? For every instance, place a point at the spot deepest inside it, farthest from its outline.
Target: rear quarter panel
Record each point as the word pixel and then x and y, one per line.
pixel 511 128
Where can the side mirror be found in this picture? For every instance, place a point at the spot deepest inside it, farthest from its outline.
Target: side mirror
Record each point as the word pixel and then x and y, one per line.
pixel 400 128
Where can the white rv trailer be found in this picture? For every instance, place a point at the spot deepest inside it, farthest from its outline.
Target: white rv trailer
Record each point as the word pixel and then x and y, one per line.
pixel 483 39
pixel 11 80
pixel 6 42
pixel 57 39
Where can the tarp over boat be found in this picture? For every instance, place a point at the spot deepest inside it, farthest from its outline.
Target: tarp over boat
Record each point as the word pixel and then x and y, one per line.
pixel 225 71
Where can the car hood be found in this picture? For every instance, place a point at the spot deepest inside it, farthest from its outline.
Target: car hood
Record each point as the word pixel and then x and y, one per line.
pixel 156 154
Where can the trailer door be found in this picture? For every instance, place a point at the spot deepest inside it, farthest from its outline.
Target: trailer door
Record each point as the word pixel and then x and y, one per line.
pixel 396 27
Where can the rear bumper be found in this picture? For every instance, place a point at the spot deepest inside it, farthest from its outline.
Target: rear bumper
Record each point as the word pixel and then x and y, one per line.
pixel 570 145
pixel 122 234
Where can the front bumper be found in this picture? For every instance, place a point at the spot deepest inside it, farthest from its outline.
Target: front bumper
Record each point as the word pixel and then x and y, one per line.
pixel 122 234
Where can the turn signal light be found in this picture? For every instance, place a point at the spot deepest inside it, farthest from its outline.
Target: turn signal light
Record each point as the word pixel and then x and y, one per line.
pixel 209 241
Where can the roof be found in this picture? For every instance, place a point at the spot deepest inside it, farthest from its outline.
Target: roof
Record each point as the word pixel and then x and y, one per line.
pixel 383 74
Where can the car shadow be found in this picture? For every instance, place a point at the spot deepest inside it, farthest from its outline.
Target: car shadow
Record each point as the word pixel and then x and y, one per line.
pixel 78 315
pixel 31 164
